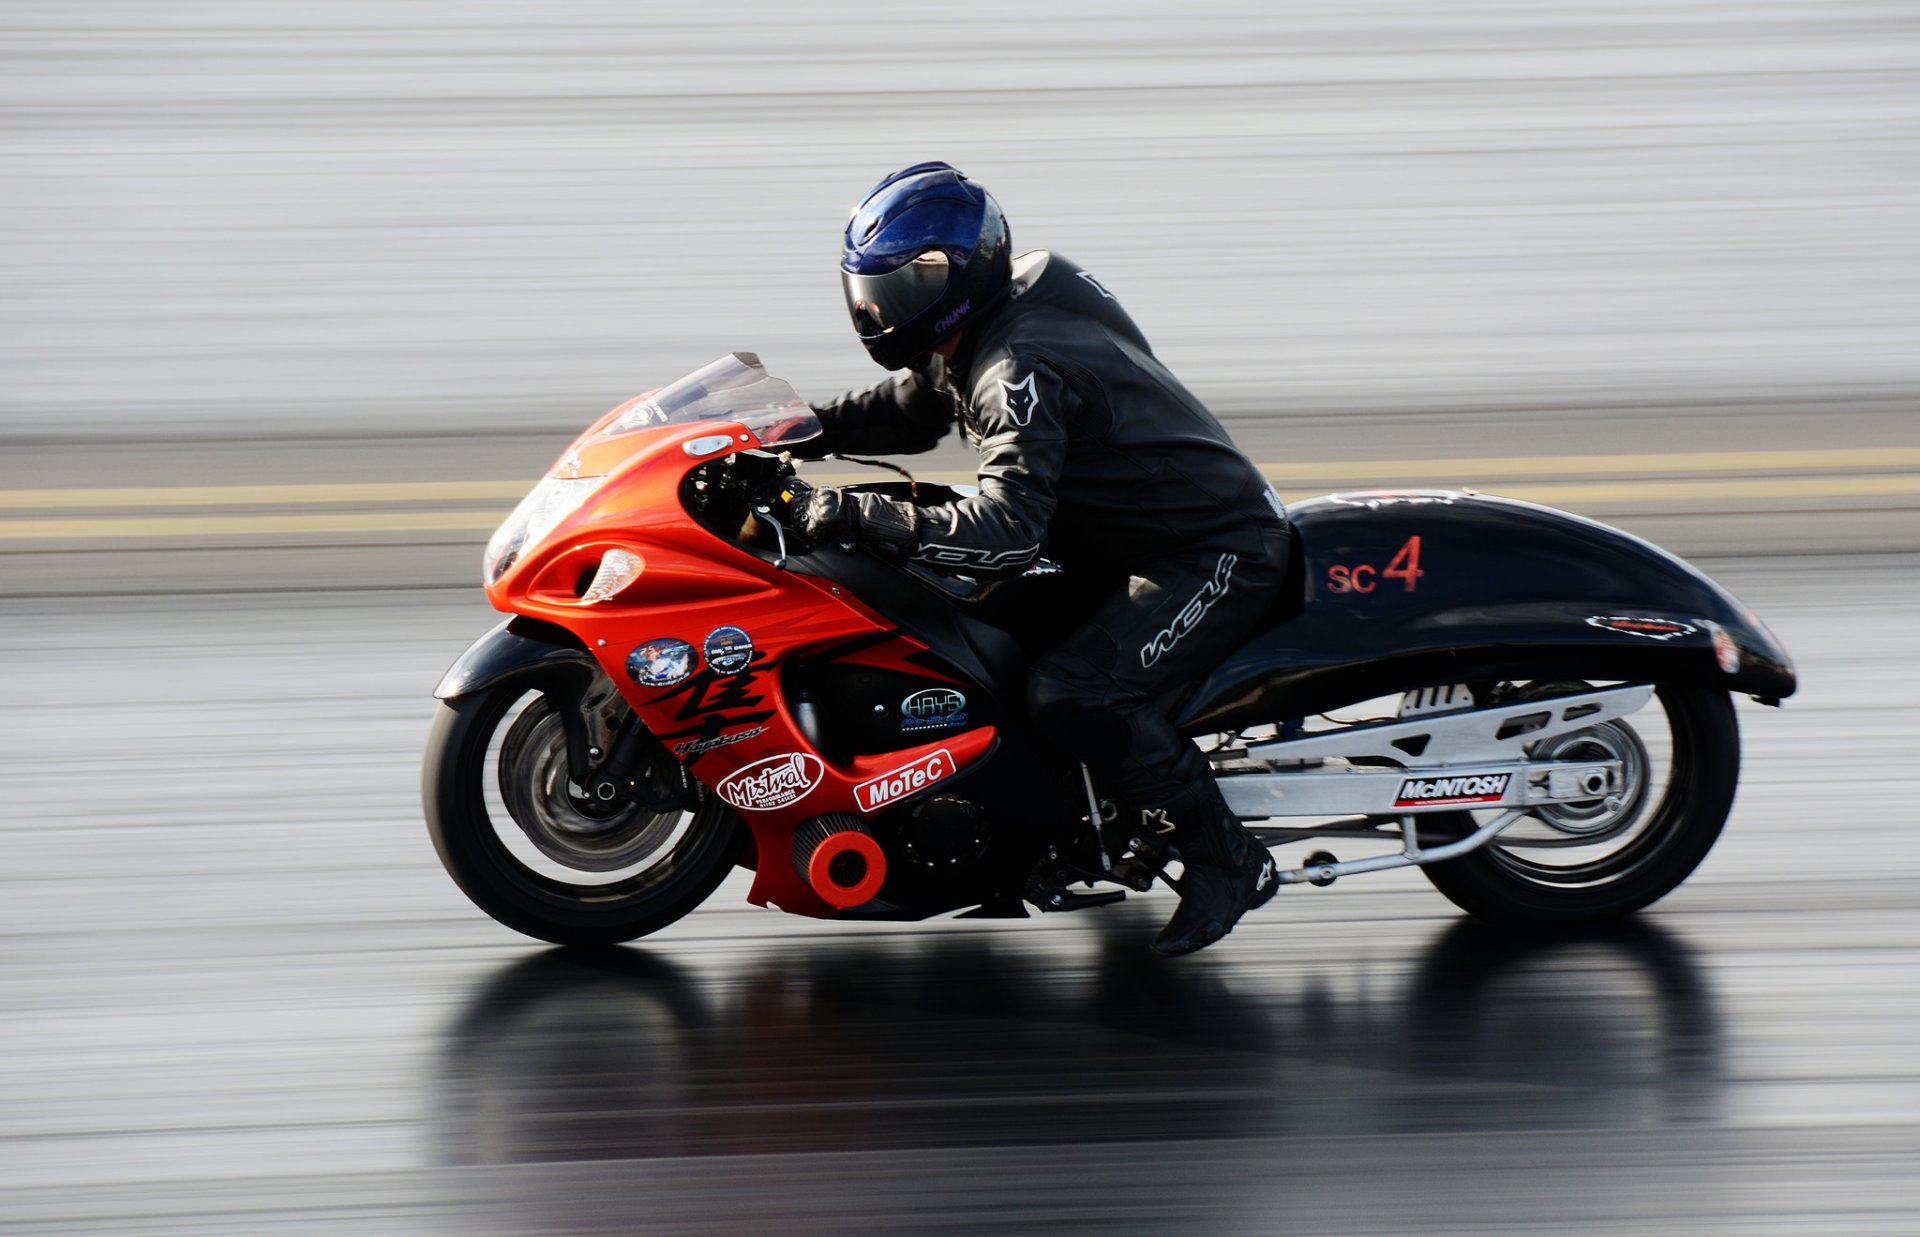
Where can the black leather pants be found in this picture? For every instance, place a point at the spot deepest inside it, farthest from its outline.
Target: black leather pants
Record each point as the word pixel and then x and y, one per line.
pixel 1092 696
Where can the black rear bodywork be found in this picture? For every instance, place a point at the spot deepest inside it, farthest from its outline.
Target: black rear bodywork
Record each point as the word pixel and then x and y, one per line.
pixel 1390 591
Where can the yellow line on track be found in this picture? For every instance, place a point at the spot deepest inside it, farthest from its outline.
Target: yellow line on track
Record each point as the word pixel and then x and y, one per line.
pixel 1406 471
pixel 1713 490
pixel 265 495
pixel 251 525
pixel 1575 494
pixel 1466 469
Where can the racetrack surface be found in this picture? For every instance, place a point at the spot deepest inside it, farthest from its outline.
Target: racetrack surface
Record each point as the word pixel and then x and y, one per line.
pixel 240 996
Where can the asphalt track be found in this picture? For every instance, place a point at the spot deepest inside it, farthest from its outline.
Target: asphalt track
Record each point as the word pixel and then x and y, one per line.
pixel 239 996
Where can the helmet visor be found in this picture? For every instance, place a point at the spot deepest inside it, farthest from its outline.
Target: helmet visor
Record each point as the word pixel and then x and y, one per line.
pixel 879 303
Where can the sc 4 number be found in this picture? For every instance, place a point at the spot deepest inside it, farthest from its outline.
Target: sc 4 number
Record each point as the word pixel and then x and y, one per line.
pixel 1404 566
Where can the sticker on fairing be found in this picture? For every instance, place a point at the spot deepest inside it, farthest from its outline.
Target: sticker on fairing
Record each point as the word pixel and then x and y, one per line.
pixel 1725 650
pixel 693 747
pixel 1458 791
pixel 767 785
pixel 660 663
pixel 907 779
pixel 728 650
pixel 934 708
pixel 1645 627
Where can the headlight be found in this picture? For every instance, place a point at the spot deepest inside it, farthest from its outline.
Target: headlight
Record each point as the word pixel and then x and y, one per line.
pixel 548 503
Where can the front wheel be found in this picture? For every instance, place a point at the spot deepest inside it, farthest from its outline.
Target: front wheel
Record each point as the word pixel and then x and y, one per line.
pixel 533 851
pixel 1577 863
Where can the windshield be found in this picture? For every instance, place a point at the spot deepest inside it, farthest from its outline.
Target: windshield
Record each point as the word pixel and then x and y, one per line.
pixel 737 387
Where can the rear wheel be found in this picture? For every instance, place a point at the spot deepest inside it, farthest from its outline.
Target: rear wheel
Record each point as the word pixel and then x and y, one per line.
pixel 532 850
pixel 1581 862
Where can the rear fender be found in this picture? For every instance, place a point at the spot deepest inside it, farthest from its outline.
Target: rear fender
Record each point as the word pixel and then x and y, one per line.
pixel 1396 591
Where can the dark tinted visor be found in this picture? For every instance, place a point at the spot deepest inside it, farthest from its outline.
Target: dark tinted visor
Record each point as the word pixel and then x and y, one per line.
pixel 882 302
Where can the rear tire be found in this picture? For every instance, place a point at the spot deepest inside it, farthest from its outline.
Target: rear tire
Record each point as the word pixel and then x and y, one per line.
pixel 594 910
pixel 1502 886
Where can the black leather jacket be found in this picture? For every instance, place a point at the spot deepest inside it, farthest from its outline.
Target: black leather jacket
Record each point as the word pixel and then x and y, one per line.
pixel 1090 450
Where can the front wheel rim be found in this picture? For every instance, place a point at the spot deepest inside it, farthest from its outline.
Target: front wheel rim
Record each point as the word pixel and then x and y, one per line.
pixel 669 859
pixel 561 821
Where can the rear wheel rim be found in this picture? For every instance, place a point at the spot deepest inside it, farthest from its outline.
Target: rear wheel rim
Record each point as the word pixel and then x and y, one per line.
pixel 1647 831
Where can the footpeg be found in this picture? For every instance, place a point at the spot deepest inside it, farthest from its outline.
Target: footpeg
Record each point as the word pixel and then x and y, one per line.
pixel 1073 900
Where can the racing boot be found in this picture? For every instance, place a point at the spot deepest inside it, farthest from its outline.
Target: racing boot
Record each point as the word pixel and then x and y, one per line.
pixel 1228 873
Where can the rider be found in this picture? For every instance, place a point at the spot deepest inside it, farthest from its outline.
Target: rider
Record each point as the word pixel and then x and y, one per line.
pixel 1089 450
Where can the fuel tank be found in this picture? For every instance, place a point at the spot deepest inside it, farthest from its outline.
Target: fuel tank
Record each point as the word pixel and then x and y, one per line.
pixel 1394 590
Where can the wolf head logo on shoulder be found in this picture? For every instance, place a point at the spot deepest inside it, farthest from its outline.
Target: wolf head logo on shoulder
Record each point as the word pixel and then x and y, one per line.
pixel 1022 400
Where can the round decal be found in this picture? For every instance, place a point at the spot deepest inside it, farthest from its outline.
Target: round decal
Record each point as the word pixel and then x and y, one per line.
pixel 728 650
pixel 660 663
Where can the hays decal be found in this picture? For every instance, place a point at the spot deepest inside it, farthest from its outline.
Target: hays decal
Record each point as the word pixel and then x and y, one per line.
pixel 933 708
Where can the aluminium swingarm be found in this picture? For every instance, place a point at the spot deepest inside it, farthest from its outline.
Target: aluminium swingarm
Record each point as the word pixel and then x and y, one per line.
pixel 1448 762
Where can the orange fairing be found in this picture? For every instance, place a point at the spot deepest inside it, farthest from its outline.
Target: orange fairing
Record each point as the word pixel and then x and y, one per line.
pixel 633 505
pixel 834 789
pixel 696 631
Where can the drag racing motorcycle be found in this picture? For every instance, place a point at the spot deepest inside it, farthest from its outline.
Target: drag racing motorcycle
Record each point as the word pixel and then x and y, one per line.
pixel 1532 708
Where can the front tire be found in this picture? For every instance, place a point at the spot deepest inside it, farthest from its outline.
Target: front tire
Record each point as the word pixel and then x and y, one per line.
pixel 1501 883
pixel 529 886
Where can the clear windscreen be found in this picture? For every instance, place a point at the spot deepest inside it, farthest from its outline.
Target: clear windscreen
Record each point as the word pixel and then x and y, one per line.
pixel 737 387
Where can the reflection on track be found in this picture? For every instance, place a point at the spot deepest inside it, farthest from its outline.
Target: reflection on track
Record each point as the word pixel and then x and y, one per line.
pixel 955 1042
pixel 267 1010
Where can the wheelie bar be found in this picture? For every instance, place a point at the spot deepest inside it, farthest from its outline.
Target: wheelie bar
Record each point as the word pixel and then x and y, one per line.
pixel 1411 855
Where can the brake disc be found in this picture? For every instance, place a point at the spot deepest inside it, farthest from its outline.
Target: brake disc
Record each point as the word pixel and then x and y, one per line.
pixel 559 818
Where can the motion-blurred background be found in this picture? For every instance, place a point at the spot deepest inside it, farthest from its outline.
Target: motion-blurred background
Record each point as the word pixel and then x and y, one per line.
pixel 296 298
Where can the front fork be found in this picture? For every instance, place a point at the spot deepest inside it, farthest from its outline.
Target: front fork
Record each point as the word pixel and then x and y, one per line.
pixel 611 757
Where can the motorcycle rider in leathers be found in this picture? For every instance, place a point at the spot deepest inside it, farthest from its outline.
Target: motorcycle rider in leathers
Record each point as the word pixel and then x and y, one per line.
pixel 1091 452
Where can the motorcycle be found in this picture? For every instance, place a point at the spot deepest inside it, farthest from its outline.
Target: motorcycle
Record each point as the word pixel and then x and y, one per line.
pixel 1530 707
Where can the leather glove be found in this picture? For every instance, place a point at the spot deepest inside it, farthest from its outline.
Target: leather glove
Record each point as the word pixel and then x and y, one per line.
pixel 824 515
pixel 886 526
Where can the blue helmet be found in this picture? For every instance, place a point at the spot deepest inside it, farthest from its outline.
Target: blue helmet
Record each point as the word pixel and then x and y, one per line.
pixel 925 252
